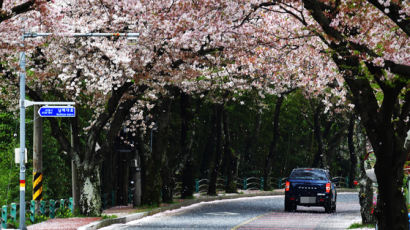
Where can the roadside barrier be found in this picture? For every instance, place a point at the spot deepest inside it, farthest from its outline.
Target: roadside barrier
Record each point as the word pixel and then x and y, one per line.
pixel 44 208
pixel 252 183
pixel 108 199
pixel 201 186
pixel 256 183
pixel 278 182
pixel 341 181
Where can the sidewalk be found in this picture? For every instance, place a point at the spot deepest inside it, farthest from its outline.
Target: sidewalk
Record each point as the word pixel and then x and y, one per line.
pixel 63 223
pixel 75 223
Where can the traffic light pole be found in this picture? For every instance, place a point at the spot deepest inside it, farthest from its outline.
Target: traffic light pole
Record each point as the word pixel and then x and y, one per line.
pixel 23 104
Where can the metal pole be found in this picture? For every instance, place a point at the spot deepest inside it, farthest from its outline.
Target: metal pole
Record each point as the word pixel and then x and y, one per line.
pixel 128 35
pixel 37 157
pixel 74 182
pixel 22 136
pixel 151 142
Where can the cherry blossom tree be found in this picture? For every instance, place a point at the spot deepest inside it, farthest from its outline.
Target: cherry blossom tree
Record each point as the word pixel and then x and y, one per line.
pixel 193 45
pixel 368 40
pixel 212 45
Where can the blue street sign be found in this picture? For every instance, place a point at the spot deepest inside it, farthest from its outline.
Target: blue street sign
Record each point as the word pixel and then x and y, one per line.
pixel 57 111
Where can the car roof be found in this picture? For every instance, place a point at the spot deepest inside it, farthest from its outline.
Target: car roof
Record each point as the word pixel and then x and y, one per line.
pixel 311 169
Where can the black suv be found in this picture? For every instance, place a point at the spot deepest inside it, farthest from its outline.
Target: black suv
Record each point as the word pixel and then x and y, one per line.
pixel 310 187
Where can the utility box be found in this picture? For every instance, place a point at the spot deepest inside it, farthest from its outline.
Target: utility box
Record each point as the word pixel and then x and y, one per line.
pixel 17 156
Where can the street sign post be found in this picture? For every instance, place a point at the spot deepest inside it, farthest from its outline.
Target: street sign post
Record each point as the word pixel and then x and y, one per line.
pixel 57 111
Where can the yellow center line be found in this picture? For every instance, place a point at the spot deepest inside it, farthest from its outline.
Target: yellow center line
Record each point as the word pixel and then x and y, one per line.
pixel 246 222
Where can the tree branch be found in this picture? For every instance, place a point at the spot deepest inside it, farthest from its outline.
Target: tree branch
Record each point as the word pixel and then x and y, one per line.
pixel 19 9
pixel 102 120
pixel 405 111
pixel 22 8
pixel 402 70
pixel 254 9
pixel 393 12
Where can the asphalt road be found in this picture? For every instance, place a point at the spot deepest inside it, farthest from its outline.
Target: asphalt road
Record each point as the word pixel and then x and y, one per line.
pixel 252 213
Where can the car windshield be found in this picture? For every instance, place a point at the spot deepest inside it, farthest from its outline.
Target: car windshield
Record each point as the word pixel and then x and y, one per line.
pixel 308 175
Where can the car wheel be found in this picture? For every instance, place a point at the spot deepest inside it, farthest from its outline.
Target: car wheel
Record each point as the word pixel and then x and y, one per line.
pixel 287 206
pixel 290 207
pixel 328 207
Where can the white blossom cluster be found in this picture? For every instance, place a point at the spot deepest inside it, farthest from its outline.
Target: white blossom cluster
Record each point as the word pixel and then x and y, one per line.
pixel 202 47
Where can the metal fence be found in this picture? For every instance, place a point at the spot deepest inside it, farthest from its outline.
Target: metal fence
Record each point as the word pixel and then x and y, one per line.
pixel 341 182
pixel 45 208
pixel 253 183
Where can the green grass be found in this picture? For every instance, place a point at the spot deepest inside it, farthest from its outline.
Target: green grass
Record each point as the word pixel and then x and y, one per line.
pixel 359 225
pixel 104 217
pixel 146 208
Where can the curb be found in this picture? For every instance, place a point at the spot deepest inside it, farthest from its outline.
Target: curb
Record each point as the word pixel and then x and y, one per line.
pixel 107 222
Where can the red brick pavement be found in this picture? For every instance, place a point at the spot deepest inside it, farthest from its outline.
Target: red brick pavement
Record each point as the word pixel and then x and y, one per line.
pixel 75 222
pixel 63 223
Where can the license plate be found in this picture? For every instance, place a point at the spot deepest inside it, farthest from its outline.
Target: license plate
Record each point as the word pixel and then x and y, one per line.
pixel 307 200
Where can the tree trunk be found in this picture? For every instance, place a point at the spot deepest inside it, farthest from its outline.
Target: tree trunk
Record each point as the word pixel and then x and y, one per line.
pixel 319 159
pixel 187 188
pixel 385 124
pixel 75 191
pixel 209 149
pixel 272 147
pixel 188 180
pixel 90 192
pixel 107 175
pixel 387 139
pixel 154 163
pixel 168 183
pixel 87 160
pixel 216 161
pixel 391 202
pixel 231 160
pixel 366 195
pixel 136 177
pixel 188 171
pixel 251 142
pixel 123 177
pixel 352 155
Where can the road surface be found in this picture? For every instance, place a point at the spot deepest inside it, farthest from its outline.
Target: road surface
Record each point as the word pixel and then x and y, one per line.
pixel 251 213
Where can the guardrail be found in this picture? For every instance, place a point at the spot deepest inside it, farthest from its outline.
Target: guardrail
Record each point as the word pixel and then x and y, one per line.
pixel 254 183
pixel 278 182
pixel 46 208
pixel 340 181
pixel 201 186
pixel 250 183
pixel 108 199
